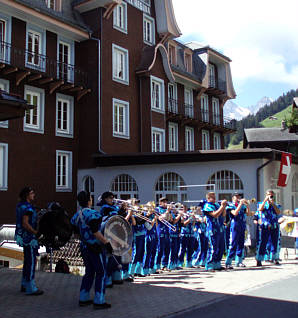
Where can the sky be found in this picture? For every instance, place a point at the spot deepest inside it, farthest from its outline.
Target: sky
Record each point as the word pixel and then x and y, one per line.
pixel 260 37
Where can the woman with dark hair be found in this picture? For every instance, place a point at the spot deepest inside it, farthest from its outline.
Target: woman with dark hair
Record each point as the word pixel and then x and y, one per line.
pixel 26 235
pixel 93 250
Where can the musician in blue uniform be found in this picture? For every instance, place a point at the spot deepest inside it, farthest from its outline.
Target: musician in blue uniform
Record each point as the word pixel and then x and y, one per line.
pixel 26 236
pixel 187 238
pixel 238 211
pixel 138 248
pixel 212 211
pixel 108 209
pixel 163 235
pixel 93 250
pixel 221 241
pixel 296 240
pixel 175 220
pixel 150 244
pixel 267 217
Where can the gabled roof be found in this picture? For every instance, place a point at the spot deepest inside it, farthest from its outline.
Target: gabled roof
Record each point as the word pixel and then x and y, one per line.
pixel 269 135
pixel 67 14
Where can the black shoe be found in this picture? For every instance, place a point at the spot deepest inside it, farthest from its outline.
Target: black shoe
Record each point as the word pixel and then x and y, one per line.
pixel 179 268
pixel 85 303
pixel 23 289
pixel 129 279
pixel 276 262
pixel 259 263
pixel 221 268
pixel 229 267
pixel 109 286
pixel 102 306
pixel 36 293
pixel 117 282
pixel 140 275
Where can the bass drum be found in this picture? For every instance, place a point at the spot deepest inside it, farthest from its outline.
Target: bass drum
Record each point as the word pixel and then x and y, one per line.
pixel 119 233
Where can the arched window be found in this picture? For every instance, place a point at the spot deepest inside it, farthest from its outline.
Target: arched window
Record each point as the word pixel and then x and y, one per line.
pixel 168 186
pixel 88 185
pixel 125 187
pixel 295 191
pixel 226 182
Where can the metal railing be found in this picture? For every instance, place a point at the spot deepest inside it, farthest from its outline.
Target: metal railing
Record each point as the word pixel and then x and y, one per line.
pixel 229 123
pixel 25 59
pixel 217 83
pixel 189 110
pixel 216 119
pixel 205 116
pixel 172 106
pixel 143 5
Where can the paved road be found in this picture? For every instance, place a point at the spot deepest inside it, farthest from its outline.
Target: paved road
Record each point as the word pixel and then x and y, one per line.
pixel 274 300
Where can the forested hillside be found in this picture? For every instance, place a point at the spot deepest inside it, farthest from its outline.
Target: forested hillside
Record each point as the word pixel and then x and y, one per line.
pixel 254 121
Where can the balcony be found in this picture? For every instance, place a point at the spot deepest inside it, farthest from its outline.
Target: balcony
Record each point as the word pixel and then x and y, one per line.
pixel 218 86
pixel 40 69
pixel 173 106
pixel 143 5
pixel 189 111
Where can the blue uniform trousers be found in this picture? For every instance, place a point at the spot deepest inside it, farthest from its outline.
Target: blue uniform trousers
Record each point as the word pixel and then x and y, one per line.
pixel 113 271
pixel 28 282
pixel 263 237
pixel 220 249
pixel 175 242
pixel 95 268
pixel 163 254
pixel 227 237
pixel 197 251
pixel 296 246
pixel 204 248
pixel 236 246
pixel 213 239
pixel 186 246
pixel 138 255
pixel 150 253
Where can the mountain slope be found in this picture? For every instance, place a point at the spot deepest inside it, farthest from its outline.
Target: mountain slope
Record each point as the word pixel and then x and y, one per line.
pixel 268 123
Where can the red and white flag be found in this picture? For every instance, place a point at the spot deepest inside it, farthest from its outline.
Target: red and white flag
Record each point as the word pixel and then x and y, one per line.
pixel 285 169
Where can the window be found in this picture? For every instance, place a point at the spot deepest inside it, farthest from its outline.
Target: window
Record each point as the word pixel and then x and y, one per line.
pixel 189 139
pixel 172 99
pixel 205 108
pixel 120 118
pixel 54 4
pixel 3 166
pixel 120 17
pixel 63 171
pixel 88 185
pixel 157 94
pixel 215 111
pixel 188 62
pixel 36 49
pixel 120 65
pixel 168 185
pixel 216 141
pixel 212 81
pixel 34 118
pixel 4 86
pixel 149 30
pixel 158 140
pixel 125 187
pixel 64 115
pixel 5 38
pixel 205 140
pixel 173 137
pixel 66 60
pixel 172 54
pixel 188 102
pixel 226 183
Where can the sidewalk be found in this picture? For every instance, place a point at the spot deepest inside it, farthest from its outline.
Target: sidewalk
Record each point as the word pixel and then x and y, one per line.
pixel 150 297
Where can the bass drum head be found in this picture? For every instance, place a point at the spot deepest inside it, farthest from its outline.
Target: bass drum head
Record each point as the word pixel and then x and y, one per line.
pixel 119 233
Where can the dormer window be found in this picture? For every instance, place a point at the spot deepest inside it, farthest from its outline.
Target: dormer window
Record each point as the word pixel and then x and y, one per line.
pixel 54 4
pixel 212 78
pixel 188 62
pixel 172 54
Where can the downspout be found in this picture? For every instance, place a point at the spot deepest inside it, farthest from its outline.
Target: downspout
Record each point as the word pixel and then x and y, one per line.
pixel 99 84
pixel 258 174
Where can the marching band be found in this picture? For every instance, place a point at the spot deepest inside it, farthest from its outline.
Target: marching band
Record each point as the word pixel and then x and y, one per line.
pixel 166 237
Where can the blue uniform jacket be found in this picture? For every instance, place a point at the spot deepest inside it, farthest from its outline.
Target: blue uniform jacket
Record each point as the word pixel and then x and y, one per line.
pixel 212 222
pixel 22 236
